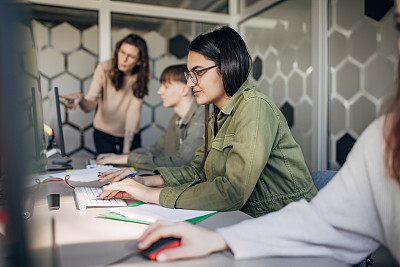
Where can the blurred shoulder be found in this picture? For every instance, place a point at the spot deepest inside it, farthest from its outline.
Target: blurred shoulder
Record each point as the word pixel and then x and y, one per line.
pixel 374 131
pixel 105 65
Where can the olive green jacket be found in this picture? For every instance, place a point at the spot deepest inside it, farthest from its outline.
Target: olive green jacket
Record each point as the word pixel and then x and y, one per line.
pixel 254 164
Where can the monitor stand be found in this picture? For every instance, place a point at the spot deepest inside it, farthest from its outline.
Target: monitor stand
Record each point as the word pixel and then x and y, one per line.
pixel 56 162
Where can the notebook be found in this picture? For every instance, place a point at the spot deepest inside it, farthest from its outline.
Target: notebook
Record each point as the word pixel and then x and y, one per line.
pixel 149 213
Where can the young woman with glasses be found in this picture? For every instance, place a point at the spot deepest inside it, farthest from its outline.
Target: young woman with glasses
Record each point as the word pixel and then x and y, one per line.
pixel 249 160
pixel 353 215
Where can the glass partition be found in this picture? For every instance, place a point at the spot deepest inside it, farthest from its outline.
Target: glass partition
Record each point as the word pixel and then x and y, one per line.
pixel 168 42
pixel 220 6
pixel 67 43
pixel 279 40
pixel 362 60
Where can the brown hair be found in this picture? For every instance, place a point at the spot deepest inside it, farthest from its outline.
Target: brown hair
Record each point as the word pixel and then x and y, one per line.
pixel 174 73
pixel 140 88
pixel 392 135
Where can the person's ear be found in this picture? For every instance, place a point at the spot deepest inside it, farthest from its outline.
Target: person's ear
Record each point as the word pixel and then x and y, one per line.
pixel 185 90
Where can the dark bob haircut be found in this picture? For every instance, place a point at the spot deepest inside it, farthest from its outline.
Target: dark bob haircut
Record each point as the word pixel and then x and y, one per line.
pixel 227 49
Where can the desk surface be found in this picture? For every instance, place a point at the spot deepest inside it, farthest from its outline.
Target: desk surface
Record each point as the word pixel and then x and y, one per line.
pixel 85 239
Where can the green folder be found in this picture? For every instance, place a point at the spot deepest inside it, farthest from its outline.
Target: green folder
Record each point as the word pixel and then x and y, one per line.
pixel 116 216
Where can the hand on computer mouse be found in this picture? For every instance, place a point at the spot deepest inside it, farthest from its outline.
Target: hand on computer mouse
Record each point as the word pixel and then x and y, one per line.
pixel 160 245
pixel 194 241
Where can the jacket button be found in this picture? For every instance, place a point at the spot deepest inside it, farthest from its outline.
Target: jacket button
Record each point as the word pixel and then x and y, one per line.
pixel 247 89
pixel 199 180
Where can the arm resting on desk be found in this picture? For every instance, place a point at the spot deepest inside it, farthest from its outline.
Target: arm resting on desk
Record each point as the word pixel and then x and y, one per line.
pixel 119 175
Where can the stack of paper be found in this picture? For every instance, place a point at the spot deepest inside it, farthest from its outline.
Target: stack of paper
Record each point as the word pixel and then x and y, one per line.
pixel 149 213
pixel 84 175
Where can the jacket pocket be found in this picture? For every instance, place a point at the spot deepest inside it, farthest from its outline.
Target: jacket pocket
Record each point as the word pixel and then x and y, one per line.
pixel 218 155
pixel 221 143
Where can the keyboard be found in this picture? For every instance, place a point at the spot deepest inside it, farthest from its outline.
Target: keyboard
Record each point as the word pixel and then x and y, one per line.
pixel 91 163
pixel 87 197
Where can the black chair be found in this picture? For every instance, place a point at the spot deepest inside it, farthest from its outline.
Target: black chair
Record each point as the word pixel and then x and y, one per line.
pixel 322 178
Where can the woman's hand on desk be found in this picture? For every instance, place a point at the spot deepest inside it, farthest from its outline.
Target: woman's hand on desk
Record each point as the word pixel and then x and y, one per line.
pixel 129 188
pixel 111 158
pixel 115 175
pixel 118 175
pixel 195 241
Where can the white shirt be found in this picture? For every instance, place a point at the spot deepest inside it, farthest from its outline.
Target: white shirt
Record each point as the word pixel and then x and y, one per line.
pixel 348 219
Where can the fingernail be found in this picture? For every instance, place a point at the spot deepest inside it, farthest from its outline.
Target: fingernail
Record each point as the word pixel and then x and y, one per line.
pixel 161 257
pixel 140 244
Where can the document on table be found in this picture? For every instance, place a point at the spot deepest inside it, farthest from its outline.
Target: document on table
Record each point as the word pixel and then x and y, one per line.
pixel 152 212
pixel 84 175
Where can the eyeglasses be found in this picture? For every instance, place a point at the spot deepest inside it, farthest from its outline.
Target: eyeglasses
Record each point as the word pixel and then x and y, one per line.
pixel 192 75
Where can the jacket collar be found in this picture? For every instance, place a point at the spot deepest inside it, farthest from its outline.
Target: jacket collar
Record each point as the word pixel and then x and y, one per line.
pixel 227 109
pixel 190 113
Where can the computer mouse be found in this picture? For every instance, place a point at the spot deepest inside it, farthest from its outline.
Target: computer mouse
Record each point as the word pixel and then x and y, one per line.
pixel 158 246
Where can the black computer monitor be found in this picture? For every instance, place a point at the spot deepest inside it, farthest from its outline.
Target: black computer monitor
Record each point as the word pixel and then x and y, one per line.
pixel 34 129
pixel 56 121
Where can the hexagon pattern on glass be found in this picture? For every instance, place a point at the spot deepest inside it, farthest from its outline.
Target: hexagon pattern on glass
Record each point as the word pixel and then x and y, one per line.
pixel 362 62
pixel 67 59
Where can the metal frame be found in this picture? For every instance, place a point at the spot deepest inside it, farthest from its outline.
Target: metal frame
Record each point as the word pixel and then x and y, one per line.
pixel 106 7
pixel 251 11
pixel 320 74
pixel 320 84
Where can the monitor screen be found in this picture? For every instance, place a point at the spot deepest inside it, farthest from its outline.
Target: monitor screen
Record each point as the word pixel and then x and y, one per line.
pixel 34 128
pixel 56 121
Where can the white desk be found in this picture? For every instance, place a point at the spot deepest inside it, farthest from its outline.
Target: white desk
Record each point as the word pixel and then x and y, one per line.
pixel 84 239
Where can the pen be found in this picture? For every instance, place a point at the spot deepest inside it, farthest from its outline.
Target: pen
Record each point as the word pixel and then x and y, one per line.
pixel 99 198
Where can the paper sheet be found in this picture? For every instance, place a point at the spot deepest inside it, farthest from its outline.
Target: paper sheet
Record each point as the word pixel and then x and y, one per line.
pixel 84 175
pixel 151 213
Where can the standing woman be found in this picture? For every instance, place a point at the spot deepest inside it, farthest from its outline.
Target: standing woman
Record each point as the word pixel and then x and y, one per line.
pixel 118 88
pixel 249 160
